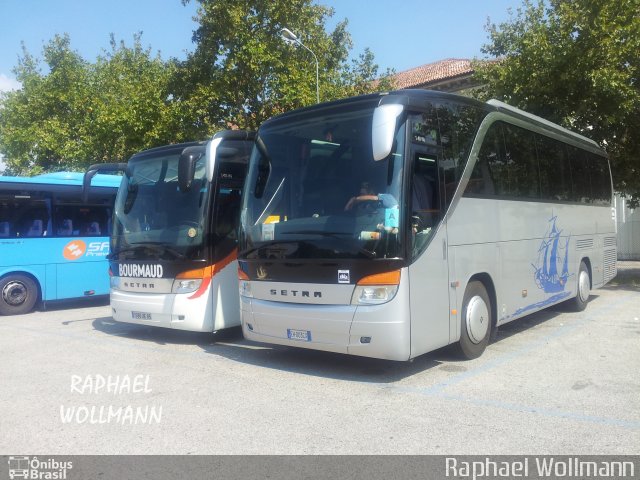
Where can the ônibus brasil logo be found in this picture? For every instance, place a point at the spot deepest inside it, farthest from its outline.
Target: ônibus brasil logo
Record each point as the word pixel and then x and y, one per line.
pixel 25 467
pixel 76 249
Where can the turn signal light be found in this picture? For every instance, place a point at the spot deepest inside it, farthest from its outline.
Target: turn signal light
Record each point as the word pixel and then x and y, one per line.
pixel 386 278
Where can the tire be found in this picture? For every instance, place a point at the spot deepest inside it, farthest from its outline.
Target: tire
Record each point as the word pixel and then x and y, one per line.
pixel 476 321
pixel 579 302
pixel 18 294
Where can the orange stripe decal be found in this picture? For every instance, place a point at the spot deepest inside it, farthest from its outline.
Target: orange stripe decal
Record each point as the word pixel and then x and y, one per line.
pixel 210 271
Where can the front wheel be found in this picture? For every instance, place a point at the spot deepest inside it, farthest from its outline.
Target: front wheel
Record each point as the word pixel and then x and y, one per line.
pixel 579 302
pixel 476 321
pixel 18 294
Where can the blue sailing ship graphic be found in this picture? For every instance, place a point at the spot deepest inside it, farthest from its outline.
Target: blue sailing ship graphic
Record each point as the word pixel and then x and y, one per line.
pixel 552 268
pixel 551 271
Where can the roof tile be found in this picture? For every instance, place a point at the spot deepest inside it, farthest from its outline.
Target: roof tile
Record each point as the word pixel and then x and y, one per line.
pixel 432 72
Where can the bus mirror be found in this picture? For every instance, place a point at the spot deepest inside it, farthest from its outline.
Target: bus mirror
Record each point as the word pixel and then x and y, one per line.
pixel 215 151
pixel 187 167
pixel 86 184
pixel 97 168
pixel 383 129
pixel 212 151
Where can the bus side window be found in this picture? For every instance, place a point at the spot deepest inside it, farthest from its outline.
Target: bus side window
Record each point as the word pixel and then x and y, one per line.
pixel 580 175
pixel 5 229
pixel 424 200
pixel 424 189
pixel 522 162
pixel 35 228
pixel 555 175
pixel 35 218
pixel 65 228
pixel 487 177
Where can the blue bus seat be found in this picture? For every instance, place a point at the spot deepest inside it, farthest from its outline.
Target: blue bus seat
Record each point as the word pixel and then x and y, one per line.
pixel 35 230
pixel 5 229
pixel 66 228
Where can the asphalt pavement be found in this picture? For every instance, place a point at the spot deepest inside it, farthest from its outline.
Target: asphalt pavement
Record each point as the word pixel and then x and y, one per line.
pixel 75 382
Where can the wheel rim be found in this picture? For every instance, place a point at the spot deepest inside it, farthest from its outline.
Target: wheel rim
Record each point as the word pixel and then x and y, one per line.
pixel 477 319
pixel 584 286
pixel 14 293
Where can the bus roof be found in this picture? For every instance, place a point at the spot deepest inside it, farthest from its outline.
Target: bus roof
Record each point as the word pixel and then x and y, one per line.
pixel 417 97
pixel 65 178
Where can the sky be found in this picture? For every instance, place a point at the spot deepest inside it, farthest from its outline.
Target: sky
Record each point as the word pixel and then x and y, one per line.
pixel 402 34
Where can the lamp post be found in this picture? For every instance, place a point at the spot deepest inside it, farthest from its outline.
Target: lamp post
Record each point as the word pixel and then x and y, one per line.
pixel 290 36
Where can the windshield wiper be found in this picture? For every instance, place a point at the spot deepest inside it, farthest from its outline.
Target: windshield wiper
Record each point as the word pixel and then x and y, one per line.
pixel 323 233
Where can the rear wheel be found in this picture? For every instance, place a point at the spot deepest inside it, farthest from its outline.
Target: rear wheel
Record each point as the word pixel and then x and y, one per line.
pixel 579 302
pixel 475 328
pixel 18 294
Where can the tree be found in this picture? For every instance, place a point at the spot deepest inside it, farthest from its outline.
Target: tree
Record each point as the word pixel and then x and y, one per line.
pixel 38 124
pixel 577 63
pixel 132 107
pixel 80 113
pixel 242 72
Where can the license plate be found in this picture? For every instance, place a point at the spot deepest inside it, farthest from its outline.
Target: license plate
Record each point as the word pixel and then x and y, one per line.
pixel 141 316
pixel 304 335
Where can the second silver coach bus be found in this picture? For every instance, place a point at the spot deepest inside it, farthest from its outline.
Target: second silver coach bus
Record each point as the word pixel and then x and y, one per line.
pixel 174 237
pixel 390 225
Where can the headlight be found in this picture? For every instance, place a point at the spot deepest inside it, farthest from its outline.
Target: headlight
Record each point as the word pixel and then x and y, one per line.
pixel 373 294
pixel 376 289
pixel 187 285
pixel 114 282
pixel 245 288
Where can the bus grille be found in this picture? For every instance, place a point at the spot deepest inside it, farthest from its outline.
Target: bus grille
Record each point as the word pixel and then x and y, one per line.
pixel 610 241
pixel 609 264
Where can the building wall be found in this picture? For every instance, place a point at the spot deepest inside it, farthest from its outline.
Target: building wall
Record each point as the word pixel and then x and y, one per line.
pixel 628 230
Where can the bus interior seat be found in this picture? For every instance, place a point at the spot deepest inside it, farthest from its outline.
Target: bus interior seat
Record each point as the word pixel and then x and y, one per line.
pixel 35 230
pixel 66 228
pixel 93 228
pixel 5 229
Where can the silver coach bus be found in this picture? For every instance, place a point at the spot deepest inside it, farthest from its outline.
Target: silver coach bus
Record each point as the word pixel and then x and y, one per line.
pixel 174 240
pixel 390 225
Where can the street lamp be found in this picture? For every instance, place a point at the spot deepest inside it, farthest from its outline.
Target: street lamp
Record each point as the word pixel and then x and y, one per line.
pixel 289 36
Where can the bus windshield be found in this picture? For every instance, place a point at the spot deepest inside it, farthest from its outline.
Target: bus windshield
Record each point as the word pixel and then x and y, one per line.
pixel 314 189
pixel 153 218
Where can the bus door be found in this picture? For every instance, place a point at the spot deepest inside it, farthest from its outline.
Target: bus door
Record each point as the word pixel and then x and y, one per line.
pixel 428 272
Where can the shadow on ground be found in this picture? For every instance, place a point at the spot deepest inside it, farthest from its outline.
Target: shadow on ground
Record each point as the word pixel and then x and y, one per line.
pixel 230 344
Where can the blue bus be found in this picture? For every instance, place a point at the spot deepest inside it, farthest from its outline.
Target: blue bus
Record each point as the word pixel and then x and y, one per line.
pixel 53 244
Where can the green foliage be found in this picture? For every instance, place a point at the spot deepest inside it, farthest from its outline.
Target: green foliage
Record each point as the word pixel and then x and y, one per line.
pixel 131 105
pixel 577 63
pixel 81 113
pixel 243 72
pixel 38 125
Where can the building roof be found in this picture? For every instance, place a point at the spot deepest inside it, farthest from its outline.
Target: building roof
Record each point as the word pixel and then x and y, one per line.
pixel 433 73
